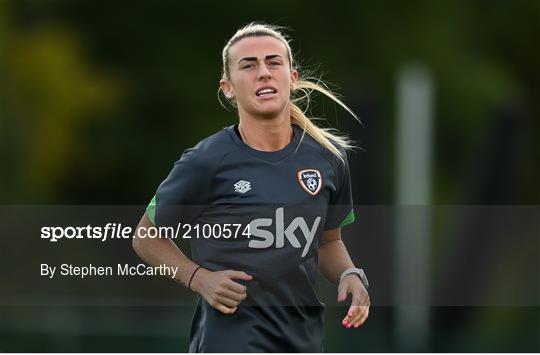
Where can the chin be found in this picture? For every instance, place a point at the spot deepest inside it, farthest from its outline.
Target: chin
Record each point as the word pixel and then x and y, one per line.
pixel 267 110
pixel 270 111
pixel 269 114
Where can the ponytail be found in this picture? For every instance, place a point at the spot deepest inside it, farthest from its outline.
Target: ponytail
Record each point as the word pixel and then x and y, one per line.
pixel 327 137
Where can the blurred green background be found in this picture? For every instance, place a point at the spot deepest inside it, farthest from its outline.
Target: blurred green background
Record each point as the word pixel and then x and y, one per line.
pixel 99 98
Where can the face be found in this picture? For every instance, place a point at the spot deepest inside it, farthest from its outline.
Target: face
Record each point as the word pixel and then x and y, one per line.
pixel 260 79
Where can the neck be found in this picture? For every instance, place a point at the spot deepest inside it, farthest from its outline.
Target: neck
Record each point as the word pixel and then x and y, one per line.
pixel 266 134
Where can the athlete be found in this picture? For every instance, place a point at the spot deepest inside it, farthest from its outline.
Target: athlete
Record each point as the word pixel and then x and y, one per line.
pixel 285 184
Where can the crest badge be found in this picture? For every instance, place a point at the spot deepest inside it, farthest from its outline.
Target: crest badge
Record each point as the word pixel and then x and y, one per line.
pixel 310 180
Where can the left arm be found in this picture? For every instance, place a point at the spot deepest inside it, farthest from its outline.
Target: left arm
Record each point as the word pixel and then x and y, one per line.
pixel 333 260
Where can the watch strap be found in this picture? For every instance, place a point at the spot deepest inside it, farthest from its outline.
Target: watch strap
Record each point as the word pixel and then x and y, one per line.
pixel 354 270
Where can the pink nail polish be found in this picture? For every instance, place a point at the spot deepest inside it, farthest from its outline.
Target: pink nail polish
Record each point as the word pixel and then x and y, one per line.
pixel 349 325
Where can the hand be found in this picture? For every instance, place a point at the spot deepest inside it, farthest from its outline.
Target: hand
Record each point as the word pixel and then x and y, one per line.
pixel 219 289
pixel 359 309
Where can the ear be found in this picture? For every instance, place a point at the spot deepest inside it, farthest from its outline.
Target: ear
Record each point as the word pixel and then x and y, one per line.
pixel 227 89
pixel 294 79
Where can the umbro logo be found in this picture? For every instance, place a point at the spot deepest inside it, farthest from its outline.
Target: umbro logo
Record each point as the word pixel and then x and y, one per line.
pixel 242 186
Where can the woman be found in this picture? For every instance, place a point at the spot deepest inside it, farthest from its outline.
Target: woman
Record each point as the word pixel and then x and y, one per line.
pixel 286 182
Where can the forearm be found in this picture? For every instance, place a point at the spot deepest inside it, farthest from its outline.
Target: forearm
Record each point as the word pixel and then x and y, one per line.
pixel 333 260
pixel 159 251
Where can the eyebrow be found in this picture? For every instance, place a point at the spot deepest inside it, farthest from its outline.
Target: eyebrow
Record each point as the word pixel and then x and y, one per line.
pixel 271 56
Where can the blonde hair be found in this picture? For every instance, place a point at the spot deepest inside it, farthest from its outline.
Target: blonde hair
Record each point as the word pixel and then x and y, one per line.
pixel 305 86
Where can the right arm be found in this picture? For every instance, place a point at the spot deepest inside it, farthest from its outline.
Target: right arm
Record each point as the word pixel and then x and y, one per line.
pixel 156 251
pixel 217 288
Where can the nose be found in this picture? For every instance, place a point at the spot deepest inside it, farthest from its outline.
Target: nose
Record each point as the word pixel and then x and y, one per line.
pixel 264 73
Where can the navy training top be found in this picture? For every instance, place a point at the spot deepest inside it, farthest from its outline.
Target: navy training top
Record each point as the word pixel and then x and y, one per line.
pixel 262 213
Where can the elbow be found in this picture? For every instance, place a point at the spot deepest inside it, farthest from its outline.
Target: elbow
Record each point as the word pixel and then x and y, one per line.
pixel 137 243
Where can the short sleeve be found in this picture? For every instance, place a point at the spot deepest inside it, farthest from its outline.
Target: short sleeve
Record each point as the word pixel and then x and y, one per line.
pixel 183 194
pixel 340 209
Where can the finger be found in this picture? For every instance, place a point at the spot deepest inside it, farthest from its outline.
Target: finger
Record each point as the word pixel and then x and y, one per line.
pixel 224 309
pixel 360 297
pixel 362 320
pixel 227 301
pixel 354 307
pixel 362 311
pixel 236 296
pixel 342 292
pixel 363 308
pixel 351 313
pixel 235 287
pixel 239 275
pixel 357 310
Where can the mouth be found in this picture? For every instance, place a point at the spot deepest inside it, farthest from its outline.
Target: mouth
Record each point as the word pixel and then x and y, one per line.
pixel 266 92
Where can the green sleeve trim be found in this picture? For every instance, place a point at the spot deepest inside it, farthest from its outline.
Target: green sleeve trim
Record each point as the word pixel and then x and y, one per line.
pixel 151 210
pixel 348 220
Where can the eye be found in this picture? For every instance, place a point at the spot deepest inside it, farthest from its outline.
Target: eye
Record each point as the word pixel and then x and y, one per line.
pixel 274 64
pixel 247 66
